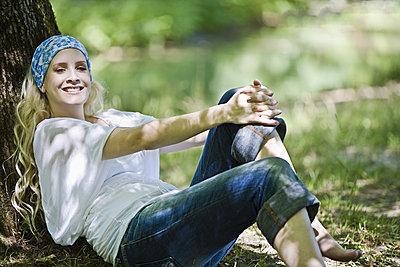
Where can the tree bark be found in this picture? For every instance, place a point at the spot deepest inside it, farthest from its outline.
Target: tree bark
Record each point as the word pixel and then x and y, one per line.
pixel 23 25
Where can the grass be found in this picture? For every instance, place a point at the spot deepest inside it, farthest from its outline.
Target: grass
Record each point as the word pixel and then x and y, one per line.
pixel 347 155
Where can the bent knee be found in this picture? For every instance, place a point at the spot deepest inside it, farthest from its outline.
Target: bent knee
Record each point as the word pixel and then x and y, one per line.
pixel 279 172
pixel 276 162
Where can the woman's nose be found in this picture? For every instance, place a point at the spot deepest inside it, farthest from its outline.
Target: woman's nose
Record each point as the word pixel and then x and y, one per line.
pixel 73 77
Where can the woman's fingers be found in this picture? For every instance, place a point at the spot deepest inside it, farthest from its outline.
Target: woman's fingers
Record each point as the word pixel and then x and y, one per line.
pixel 257 82
pixel 260 97
pixel 258 92
pixel 254 104
pixel 264 120
pixel 260 87
pixel 270 113
pixel 254 89
pixel 263 107
pixel 266 91
pixel 248 89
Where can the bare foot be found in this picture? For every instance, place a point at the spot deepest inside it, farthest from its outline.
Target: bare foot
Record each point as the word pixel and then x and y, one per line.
pixel 330 248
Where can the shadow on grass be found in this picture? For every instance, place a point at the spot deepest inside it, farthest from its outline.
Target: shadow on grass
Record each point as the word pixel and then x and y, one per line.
pixel 377 236
pixel 367 217
pixel 47 253
pixel 242 257
pixel 81 254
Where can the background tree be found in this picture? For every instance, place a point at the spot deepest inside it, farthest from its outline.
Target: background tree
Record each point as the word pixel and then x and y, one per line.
pixel 24 24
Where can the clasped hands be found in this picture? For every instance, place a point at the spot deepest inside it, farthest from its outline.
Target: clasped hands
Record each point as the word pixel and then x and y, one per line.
pixel 253 104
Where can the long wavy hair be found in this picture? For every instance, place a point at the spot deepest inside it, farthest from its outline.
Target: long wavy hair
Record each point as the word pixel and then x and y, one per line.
pixel 30 111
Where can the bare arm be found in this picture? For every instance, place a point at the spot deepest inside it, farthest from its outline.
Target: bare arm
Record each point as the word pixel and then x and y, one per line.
pixel 197 140
pixel 162 132
pixel 246 106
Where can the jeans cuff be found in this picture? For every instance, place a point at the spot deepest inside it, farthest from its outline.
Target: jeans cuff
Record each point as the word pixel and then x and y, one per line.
pixel 249 140
pixel 282 206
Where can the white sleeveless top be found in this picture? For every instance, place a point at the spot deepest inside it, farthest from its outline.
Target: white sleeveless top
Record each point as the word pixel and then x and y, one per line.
pixel 83 195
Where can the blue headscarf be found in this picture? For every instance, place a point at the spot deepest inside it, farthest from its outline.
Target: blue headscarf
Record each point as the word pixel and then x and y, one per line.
pixel 47 50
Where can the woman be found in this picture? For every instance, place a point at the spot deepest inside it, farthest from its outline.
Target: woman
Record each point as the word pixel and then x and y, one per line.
pixel 96 174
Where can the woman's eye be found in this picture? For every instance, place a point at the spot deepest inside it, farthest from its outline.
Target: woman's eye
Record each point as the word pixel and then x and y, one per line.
pixel 81 68
pixel 59 70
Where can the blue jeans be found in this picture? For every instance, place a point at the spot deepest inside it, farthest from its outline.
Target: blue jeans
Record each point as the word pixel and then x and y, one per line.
pixel 199 225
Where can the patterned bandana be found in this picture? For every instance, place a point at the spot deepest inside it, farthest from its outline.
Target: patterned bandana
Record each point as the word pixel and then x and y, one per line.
pixel 47 50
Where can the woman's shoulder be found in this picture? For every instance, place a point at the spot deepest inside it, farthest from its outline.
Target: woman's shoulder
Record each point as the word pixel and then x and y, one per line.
pixel 64 122
pixel 124 118
pixel 119 113
pixel 64 132
pixel 112 117
pixel 60 126
pixel 59 122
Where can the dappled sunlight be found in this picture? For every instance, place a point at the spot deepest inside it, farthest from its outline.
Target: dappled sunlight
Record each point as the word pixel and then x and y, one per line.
pixel 394 211
pixel 68 156
pixel 78 164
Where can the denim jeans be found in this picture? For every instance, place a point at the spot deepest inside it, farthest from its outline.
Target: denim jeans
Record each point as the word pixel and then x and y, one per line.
pixel 199 225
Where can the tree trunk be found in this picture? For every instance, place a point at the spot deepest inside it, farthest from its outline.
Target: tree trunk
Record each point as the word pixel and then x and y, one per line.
pixel 23 25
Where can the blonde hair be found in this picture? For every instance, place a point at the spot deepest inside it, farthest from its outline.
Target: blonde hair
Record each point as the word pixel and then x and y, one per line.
pixel 30 111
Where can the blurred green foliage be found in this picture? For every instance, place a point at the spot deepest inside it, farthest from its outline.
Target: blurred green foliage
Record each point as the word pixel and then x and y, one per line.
pixel 101 24
pixel 311 48
pixel 301 58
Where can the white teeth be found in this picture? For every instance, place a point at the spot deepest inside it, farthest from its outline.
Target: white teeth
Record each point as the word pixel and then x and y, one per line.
pixel 72 89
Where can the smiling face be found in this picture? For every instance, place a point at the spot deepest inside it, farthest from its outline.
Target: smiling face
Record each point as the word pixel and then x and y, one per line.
pixel 67 83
